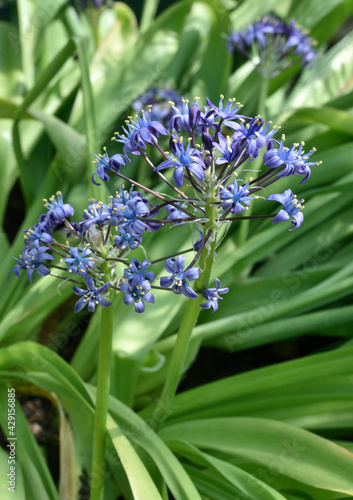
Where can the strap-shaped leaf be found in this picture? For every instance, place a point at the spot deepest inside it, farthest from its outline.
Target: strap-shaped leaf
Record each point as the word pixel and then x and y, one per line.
pixel 291 451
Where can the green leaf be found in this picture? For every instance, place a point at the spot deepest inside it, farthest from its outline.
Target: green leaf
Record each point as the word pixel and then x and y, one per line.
pixel 336 119
pixel 329 79
pixel 246 483
pixel 28 187
pixel 9 110
pixel 142 435
pixel 68 472
pixel 142 486
pixel 11 76
pixel 36 364
pixel 35 470
pixel 37 304
pixel 148 13
pixel 319 323
pixel 211 486
pixel 33 18
pixel 294 452
pixel 206 83
pixel 284 378
pixel 5 493
pixel 119 39
pixel 64 137
pixel 119 84
pixel 248 11
pixel 310 12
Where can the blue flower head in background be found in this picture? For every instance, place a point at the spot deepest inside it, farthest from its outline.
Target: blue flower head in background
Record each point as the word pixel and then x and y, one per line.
pixel 207 185
pixel 158 99
pixel 273 45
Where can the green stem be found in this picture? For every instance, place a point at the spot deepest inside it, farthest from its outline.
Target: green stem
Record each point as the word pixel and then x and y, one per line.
pixel 148 14
pixel 42 82
pixel 81 41
pixel 188 322
pixel 103 387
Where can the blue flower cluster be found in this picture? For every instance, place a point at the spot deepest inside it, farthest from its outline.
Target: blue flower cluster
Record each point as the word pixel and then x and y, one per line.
pixel 205 171
pixel 39 238
pixel 273 44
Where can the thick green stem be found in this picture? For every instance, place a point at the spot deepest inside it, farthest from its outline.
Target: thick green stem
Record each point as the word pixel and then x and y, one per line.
pixel 100 417
pixel 188 322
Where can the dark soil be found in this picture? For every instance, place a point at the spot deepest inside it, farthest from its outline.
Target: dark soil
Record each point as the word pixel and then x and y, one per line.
pixel 42 418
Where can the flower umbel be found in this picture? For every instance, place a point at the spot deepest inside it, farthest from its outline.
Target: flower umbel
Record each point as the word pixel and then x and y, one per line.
pixel 206 149
pixel 273 45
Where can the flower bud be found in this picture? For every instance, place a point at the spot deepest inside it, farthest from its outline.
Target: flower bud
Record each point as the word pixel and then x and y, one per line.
pixel 194 116
pixel 207 141
pixel 94 236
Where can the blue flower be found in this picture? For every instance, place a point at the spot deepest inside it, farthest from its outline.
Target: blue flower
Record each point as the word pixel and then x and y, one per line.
pixel 91 296
pixel 212 295
pixel 178 279
pixel 124 240
pixel 58 211
pixel 229 150
pixel 88 4
pixel 132 141
pixel 275 157
pixel 207 120
pixel 291 208
pixel 237 40
pixel 106 164
pixel 273 44
pixel 182 118
pixel 301 165
pixel 243 40
pixel 158 100
pixel 39 233
pixel 303 45
pixel 137 291
pixel 147 129
pixel 294 161
pixel 139 268
pixel 253 134
pixel 225 114
pixel 79 263
pixel 199 240
pixel 32 260
pixel 183 158
pixel 96 213
pixel 175 213
pixel 129 214
pixel 236 197
pixel 123 203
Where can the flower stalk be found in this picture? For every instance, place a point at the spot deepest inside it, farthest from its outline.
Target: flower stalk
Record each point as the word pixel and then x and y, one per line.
pixel 101 409
pixel 188 323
